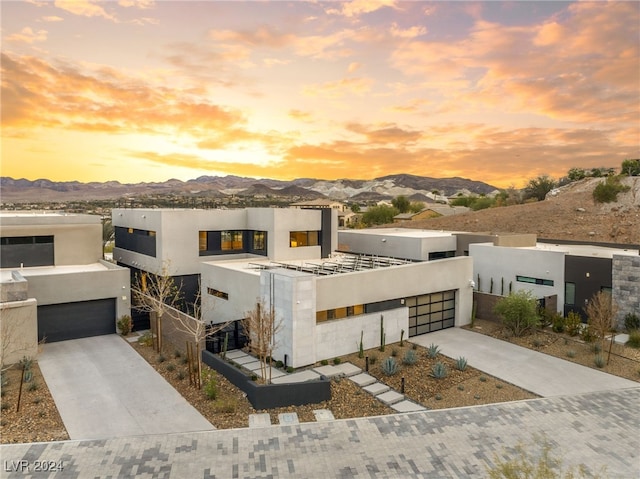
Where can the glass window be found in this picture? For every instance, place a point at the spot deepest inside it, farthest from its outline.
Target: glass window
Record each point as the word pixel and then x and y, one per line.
pixel 303 238
pixel 259 240
pixel 570 293
pixel 231 240
pixel 202 240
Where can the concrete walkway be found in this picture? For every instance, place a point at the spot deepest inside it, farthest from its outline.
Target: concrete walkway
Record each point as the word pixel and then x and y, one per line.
pixel 596 429
pixel 104 389
pixel 536 372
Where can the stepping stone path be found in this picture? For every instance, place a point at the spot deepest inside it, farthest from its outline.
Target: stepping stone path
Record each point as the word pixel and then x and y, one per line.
pixel 368 383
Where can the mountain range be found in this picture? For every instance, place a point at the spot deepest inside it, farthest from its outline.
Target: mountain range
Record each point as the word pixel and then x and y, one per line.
pixel 417 188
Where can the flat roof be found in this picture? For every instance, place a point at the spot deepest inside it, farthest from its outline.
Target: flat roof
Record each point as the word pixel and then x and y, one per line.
pixel 587 250
pixel 337 264
pixel 5 273
pixel 400 232
pixel 36 217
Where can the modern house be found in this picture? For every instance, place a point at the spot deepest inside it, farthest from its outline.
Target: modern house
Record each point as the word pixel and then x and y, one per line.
pixel 570 271
pixel 53 262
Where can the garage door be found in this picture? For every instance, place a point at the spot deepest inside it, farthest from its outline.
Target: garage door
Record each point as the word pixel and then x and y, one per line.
pixel 59 322
pixel 431 312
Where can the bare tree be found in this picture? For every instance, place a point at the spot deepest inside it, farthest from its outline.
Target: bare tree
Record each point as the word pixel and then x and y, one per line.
pixel 601 311
pixel 197 329
pixel 158 295
pixel 261 327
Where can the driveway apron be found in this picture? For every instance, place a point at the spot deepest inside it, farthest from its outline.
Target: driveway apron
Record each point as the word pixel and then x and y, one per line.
pixel 103 388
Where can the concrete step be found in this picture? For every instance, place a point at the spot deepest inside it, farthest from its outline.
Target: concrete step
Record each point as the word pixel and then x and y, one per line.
pixel 390 397
pixel 259 420
pixel 288 418
pixel 323 415
pixel 376 388
pixel 348 369
pixel 407 406
pixel 363 379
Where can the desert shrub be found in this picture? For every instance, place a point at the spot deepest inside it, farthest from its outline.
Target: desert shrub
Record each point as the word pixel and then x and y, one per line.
pixel 483 378
pixel 33 386
pixel 607 191
pixel 4 406
pixel 438 397
pixel 290 369
pixel 545 317
pixel 28 376
pixel 476 396
pixel 519 312
pixel 324 362
pixel 394 352
pixel 279 363
pixel 587 334
pixel 599 361
pixel 125 324
pixel 336 361
pixel 433 350
pixel 26 363
pixel 460 387
pixel 226 406
pixel 571 353
pixel 558 324
pixel 210 388
pixel 184 360
pixel 373 358
pixel 171 367
pixel 631 322
pixel 596 348
pixel 389 366
pixel 634 339
pixel 439 370
pixel 161 358
pixel 181 375
pixel 410 357
pixel 414 346
pixel 537 342
pixel 499 386
pixel 573 324
pixel 461 363
pixel 177 353
pixel 146 339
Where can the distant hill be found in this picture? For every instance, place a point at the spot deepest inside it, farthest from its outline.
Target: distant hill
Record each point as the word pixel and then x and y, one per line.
pixel 569 214
pixel 387 187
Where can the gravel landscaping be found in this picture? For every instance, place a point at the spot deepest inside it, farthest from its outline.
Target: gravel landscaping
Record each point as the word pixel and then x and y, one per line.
pixel 38 419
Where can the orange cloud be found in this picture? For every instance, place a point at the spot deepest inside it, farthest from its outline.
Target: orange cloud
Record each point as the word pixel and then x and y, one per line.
pixel 84 8
pixel 340 88
pixel 27 35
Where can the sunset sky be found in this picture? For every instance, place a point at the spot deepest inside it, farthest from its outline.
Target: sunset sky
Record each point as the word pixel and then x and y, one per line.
pixel 143 90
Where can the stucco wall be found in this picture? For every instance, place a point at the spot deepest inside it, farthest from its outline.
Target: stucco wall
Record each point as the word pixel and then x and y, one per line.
pixel 242 286
pixel 71 286
pixel 18 330
pixel 499 262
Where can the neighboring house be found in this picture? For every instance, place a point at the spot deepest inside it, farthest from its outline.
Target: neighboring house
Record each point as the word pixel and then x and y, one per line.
pixel 53 261
pixel 349 219
pixel 573 272
pixel 319 204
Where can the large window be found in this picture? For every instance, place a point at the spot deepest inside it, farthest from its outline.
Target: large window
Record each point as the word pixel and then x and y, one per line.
pixel 303 238
pixel 16 251
pixel 259 240
pixel 231 240
pixel 139 241
pixel 530 280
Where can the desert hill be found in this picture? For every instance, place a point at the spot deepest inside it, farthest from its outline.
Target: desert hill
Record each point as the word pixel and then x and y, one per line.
pixel 570 214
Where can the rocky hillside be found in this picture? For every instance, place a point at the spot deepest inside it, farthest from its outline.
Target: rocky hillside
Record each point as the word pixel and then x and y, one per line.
pixel 570 214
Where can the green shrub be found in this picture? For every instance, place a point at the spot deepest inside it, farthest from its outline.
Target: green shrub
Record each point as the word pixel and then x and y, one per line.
pixel 373 358
pixel 476 396
pixel 181 375
pixel 26 363
pixel 596 348
pixel 146 339
pixel 254 377
pixel 324 362
pixel 631 322
pixel 607 191
pixel 537 342
pixel 558 324
pixel 336 361
pixel 279 363
pixel 438 397
pixel 433 350
pixel 410 357
pixel 414 346
pixel 394 352
pixel 37 400
pixel 519 312
pixel 499 385
pixel 171 367
pixel 439 370
pixel 483 378
pixel 184 360
pixel 33 386
pixel 389 366
pixel 599 361
pixel 460 387
pixel 225 406
pixel 177 354
pixel 28 376
pixel 571 353
pixel 634 339
pixel 290 369
pixel 161 358
pixel 125 324
pixel 587 334
pixel 573 323
pixel 210 388
pixel 461 363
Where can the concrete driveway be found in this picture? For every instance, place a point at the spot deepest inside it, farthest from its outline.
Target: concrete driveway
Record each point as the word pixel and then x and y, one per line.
pixel 539 373
pixel 104 389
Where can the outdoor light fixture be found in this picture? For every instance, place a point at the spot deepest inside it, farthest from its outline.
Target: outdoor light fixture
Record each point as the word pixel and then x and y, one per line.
pixel 472 283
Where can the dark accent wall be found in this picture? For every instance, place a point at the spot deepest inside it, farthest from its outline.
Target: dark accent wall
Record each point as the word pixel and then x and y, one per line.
pixel 268 396
pixel 26 251
pixel 326 232
pixel 383 305
pixel 599 276
pixel 140 241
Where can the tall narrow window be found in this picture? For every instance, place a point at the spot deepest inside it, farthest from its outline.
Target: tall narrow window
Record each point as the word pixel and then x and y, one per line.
pixel 202 240
pixel 570 293
pixel 258 240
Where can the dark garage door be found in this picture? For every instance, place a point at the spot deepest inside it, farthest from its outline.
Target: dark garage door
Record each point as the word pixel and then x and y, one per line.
pixel 59 322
